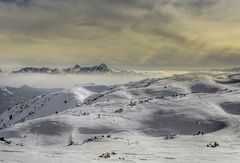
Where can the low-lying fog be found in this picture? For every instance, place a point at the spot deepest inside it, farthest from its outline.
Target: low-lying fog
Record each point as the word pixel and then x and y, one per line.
pixel 70 80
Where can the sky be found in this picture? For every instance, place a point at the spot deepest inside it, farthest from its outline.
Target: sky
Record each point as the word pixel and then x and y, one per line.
pixel 137 34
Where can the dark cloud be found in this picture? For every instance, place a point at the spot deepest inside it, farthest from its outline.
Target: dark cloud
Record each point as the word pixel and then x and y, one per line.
pixel 194 4
pixel 16 2
pixel 142 32
pixel 221 58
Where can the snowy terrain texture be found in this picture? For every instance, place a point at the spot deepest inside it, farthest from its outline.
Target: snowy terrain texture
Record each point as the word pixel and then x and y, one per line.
pixel 184 118
pixel 10 96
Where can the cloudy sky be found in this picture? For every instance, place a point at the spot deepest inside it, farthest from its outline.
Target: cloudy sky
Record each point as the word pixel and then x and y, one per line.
pixel 144 34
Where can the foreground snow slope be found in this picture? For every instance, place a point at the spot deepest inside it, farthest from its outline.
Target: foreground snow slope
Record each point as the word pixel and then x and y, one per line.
pixel 153 120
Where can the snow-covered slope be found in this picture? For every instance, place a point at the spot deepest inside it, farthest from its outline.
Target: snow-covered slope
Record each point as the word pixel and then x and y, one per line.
pixel 10 96
pixel 153 120
pixel 45 105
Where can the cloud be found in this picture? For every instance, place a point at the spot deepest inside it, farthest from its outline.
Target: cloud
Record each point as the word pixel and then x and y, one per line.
pixel 16 2
pixel 120 32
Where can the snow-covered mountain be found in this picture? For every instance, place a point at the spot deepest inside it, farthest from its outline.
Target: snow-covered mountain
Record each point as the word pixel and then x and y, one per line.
pixel 37 70
pixel 184 118
pixel 102 68
pixel 10 96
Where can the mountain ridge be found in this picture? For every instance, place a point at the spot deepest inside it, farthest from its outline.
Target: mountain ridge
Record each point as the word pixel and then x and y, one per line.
pixel 102 68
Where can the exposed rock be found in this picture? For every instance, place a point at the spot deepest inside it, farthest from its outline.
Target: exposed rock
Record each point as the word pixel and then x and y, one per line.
pixel 5 141
pixel 105 155
pixel 102 68
pixel 37 70
pixel 213 145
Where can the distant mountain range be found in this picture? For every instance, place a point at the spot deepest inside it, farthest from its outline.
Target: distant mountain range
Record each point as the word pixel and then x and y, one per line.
pixel 102 68
pixel 98 69
pixel 37 70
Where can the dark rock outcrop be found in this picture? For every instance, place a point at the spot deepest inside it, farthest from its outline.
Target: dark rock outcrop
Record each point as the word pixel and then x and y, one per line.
pixel 37 70
pixel 102 68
